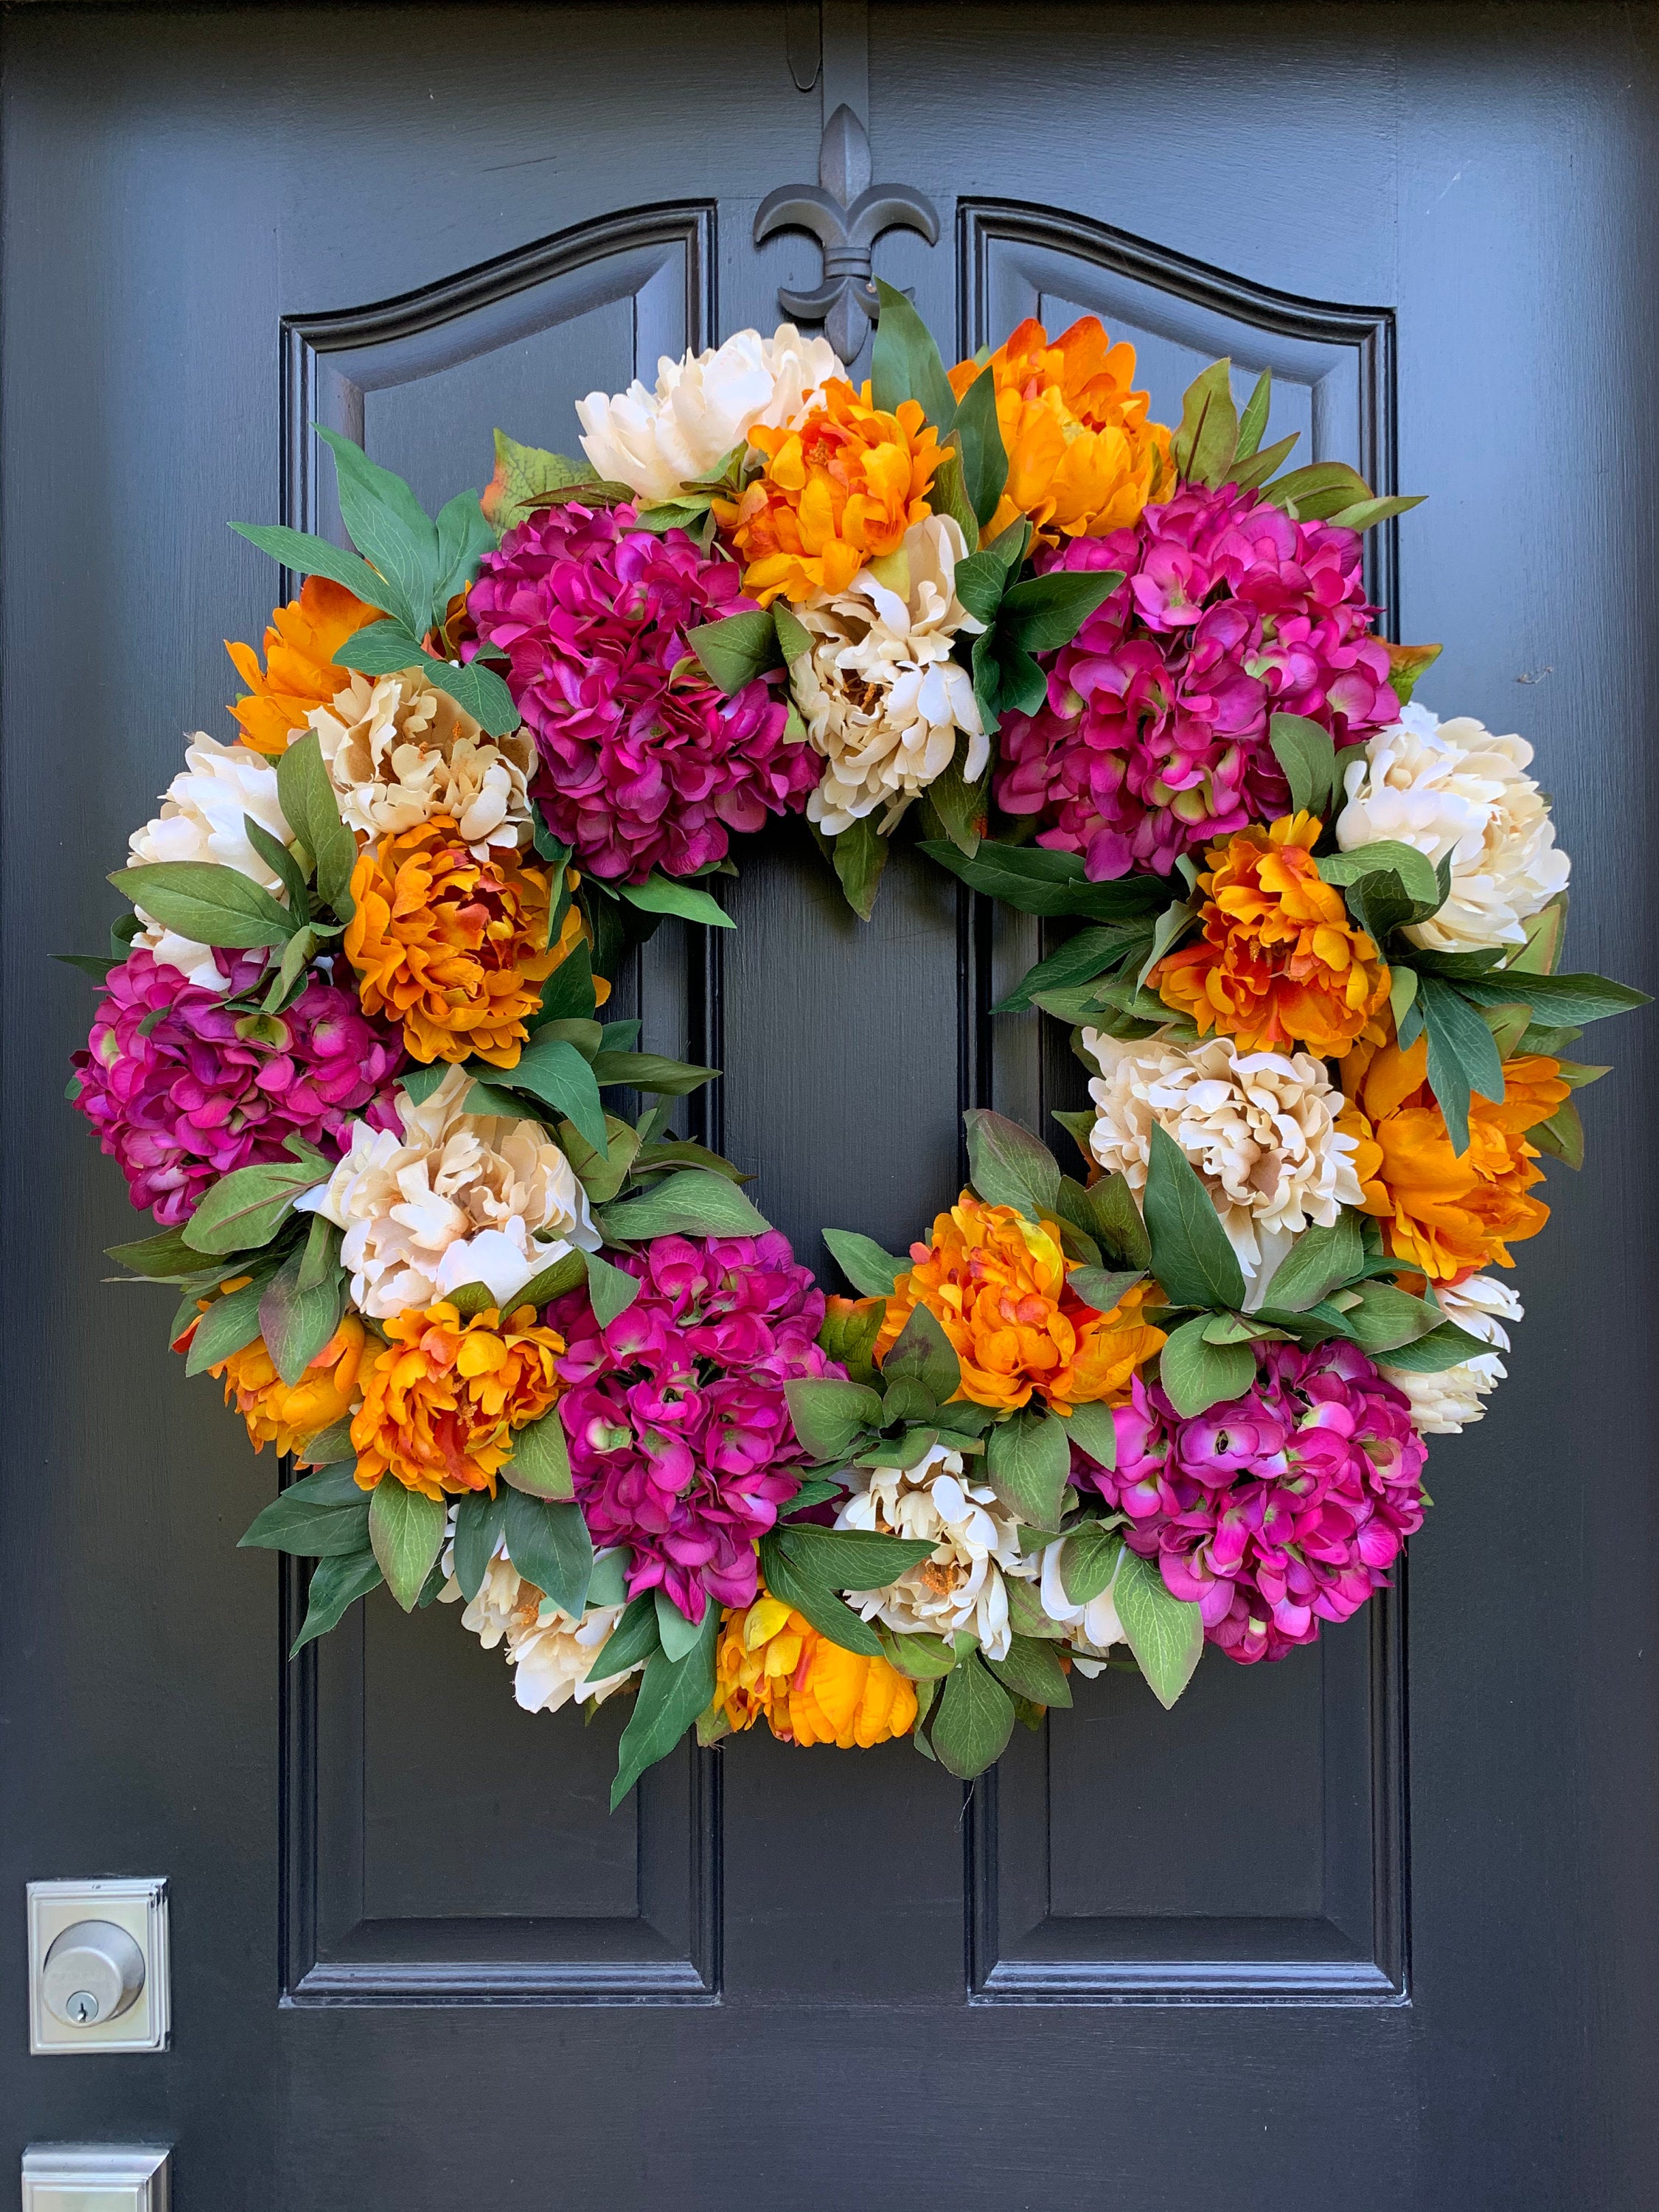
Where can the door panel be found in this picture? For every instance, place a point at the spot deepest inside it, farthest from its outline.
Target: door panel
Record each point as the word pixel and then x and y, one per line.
pixel 1153 1959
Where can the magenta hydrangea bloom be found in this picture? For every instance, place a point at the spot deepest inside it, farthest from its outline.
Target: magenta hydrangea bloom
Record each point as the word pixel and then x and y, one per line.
pixel 1154 736
pixel 681 1443
pixel 1278 1509
pixel 179 1099
pixel 644 763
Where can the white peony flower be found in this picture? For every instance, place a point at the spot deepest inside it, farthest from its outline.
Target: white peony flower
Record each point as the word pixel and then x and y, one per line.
pixel 975 1537
pixel 549 1651
pixel 1260 1128
pixel 458 1198
pixel 1442 1404
pixel 656 441
pixel 881 698
pixel 1453 788
pixel 202 819
pixel 398 752
pixel 1089 1631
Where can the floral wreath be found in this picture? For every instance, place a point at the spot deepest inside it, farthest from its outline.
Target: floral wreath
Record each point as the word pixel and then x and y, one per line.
pixel 552 1363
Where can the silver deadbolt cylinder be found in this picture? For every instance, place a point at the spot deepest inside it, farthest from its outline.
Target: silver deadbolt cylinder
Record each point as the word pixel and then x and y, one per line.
pixel 92 1973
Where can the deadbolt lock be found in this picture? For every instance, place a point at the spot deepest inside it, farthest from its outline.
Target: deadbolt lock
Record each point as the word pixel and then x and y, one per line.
pixel 94 1971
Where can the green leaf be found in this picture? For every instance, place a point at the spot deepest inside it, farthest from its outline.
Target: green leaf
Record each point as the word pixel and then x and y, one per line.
pixel 981 581
pixel 734 651
pixel 828 1613
pixel 478 1522
pixel 1463 1056
pixel 1090 953
pixel 975 1720
pixel 321 1516
pixel 1190 1254
pixel 1562 1135
pixel 651 1072
pixel 1165 1633
pixel 1559 999
pixel 849 1558
pixel 1407 665
pixel 1088 1561
pixel 949 495
pixel 525 477
pixel 677 1635
pixel 1255 472
pixel 1318 1260
pixel 1025 1613
pixel 610 1290
pixel 382 649
pixel 660 895
pixel 602 1174
pixel 297 1324
pixel 550 1546
pixel 1032 1669
pixel 984 460
pixel 923 1350
pixel 335 1586
pixel 244 1209
pixel 1366 513
pixel 671 1695
pixel 164 1258
pixel 555 1071
pixel 904 361
pixel 851 1337
pixel 1204 446
pixel 917 1655
pixel 228 1325
pixel 1254 421
pixel 1442 1347
pixel 830 1416
pixel 464 538
pixel 692 1203
pixel 1321 489
pixel 632 1639
pixel 312 813
pixel 1100 1290
pixel 540 1465
pixel 1106 1210
pixel 1383 1318
pixel 309 555
pixel 1035 880
pixel 276 856
pixel 871 1271
pixel 1197 1374
pixel 609 1582
pixel 1028 1460
pixel 1092 1429
pixel 1008 1166
pixel 1307 753
pixel 209 904
pixel 390 529
pixel 1413 871
pixel 858 854
pixel 1042 613
pixel 329 1446
pixel 478 692
pixel 407 1533
pixel 958 806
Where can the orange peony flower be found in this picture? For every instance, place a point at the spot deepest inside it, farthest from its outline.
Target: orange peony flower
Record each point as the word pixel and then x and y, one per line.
pixel 299 672
pixel 771 1661
pixel 1279 962
pixel 1446 1214
pixel 996 1283
pixel 1083 460
pixel 283 1414
pixel 453 948
pixel 840 490
pixel 443 1397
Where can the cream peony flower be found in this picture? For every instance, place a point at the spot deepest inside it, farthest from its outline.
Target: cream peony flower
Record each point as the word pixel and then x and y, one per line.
pixel 881 698
pixel 1453 788
pixel 398 752
pixel 656 441
pixel 550 1652
pixel 1260 1128
pixel 202 817
pixel 1089 1631
pixel 1444 1403
pixel 458 1199
pixel 976 1538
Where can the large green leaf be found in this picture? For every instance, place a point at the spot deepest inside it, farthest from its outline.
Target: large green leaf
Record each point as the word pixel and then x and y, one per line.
pixel 905 363
pixel 297 1323
pixel 1414 871
pixel 1197 1374
pixel 1190 1254
pixel 1090 953
pixel 975 1720
pixel 670 1696
pixel 309 555
pixel 1088 1561
pixel 244 1209
pixel 313 814
pixel 540 1465
pixel 1028 1460
pixel 1307 753
pixel 479 1519
pixel 1463 1056
pixel 1008 1166
pixel 464 538
pixel 1092 1430
pixel 1042 613
pixel 550 1546
pixel 1101 1289
pixel 631 1642
pixel 1165 1633
pixel 1442 1347
pixel 849 1558
pixel 389 528
pixel 1557 999
pixel 858 854
pixel 831 1416
pixel 676 1634
pixel 164 1258
pixel 321 1516
pixel 207 903
pixel 692 1203
pixel 652 1072
pixel 1206 440
pixel 1032 1669
pixel 1106 1210
pixel 871 1271
pixel 554 1071
pixel 1037 881
pixel 407 1533
pixel 736 649
pixel 659 894
pixel 1318 1260
pixel 925 1353
pixel 228 1325
pixel 831 1615
pixel 335 1585
pixel 527 478
pixel 984 458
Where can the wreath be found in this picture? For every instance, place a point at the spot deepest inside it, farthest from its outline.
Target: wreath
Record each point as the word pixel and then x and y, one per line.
pixel 527 1355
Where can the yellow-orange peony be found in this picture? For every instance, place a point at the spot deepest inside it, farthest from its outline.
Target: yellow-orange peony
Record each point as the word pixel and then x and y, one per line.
pixel 839 491
pixel 443 1397
pixel 1279 962
pixel 453 948
pixel 1446 1214
pixel 996 1283
pixel 1083 458
pixel 770 1661
pixel 285 1414
pixel 298 673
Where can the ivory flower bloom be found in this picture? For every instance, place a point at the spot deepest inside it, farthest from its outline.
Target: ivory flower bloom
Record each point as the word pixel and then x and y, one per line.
pixel 881 698
pixel 703 405
pixel 1454 789
pixel 461 1199
pixel 201 819
pixel 1260 1128
pixel 550 1652
pixel 975 1539
pixel 1444 1403
pixel 399 752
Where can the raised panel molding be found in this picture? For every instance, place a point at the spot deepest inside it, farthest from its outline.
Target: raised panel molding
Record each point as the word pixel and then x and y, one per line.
pixel 645 1927
pixel 1337 1933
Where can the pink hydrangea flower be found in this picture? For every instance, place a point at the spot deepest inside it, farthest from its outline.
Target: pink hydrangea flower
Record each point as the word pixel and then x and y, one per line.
pixel 1154 736
pixel 1280 1510
pixel 681 1443
pixel 179 1099
pixel 645 763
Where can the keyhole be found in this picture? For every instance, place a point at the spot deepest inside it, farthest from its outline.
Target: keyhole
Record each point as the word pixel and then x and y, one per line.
pixel 82 2007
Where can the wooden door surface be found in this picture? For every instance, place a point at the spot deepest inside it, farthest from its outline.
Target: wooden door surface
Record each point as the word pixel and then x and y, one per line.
pixel 1370 1926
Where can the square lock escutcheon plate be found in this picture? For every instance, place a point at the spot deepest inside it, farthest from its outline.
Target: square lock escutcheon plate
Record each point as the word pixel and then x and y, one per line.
pixel 134 1915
